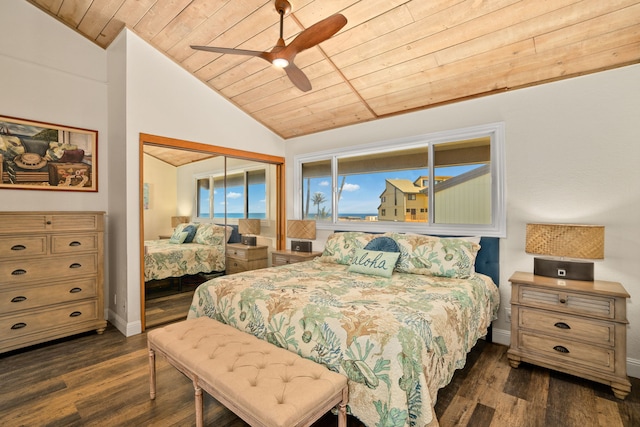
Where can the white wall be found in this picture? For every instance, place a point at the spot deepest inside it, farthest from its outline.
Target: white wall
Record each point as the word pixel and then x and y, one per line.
pixel 161 179
pixel 163 99
pixel 572 155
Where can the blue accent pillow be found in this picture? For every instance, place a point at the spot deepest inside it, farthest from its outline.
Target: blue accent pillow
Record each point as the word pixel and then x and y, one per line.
pixel 191 233
pixel 383 244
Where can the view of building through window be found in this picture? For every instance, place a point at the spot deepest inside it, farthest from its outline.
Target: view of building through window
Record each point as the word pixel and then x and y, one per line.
pixel 394 185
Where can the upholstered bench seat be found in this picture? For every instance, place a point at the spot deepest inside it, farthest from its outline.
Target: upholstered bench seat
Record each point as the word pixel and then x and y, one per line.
pixel 263 384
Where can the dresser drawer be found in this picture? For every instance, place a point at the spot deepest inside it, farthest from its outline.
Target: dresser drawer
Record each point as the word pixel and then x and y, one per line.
pixel 29 222
pixel 70 243
pixel 568 302
pixel 27 270
pixel 567 326
pixel 568 351
pixel 20 325
pixel 21 247
pixel 29 297
pixel 278 259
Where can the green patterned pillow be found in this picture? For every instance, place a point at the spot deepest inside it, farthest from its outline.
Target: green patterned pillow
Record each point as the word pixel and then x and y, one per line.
pixel 178 237
pixel 374 263
pixel 340 247
pixel 210 234
pixel 436 256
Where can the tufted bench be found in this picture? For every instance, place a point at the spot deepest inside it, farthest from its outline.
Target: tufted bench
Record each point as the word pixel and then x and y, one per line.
pixel 263 384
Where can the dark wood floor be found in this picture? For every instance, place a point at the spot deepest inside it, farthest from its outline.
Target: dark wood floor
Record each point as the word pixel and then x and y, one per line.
pixel 102 380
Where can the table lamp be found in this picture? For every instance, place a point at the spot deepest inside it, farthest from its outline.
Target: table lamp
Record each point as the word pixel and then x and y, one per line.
pixel 301 229
pixel 249 228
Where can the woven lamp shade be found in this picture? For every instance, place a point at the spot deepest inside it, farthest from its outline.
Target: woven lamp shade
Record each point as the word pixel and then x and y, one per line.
pixel 301 229
pixel 566 240
pixel 249 226
pixel 175 220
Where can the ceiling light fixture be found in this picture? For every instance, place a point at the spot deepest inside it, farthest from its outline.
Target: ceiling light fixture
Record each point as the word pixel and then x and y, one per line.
pixel 280 62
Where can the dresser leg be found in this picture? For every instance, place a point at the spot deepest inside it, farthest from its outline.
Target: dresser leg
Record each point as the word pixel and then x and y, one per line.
pixel 620 391
pixel 515 363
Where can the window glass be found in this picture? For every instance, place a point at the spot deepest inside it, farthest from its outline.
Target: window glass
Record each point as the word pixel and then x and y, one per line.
pixel 203 197
pixel 316 190
pixel 256 194
pixel 463 182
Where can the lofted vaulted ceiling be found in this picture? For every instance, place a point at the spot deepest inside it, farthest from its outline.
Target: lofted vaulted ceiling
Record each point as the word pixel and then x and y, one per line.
pixel 393 56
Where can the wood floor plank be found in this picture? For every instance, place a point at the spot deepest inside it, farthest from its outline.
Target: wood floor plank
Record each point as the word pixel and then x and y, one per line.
pixel 102 380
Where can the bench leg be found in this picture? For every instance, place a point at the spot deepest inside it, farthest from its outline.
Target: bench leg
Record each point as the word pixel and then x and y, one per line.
pixel 152 374
pixel 198 396
pixel 342 408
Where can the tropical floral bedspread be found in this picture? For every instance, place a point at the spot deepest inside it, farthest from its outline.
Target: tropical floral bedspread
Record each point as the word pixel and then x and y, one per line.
pixel 163 259
pixel 397 339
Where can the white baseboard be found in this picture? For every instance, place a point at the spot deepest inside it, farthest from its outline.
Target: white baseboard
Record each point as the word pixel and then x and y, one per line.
pixel 502 336
pixel 127 329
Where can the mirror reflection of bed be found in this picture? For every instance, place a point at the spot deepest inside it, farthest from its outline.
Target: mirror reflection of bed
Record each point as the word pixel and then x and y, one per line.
pixel 185 184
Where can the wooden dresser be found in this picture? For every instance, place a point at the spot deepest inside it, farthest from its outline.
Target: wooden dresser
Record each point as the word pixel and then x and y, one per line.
pixel 241 258
pixel 572 326
pixel 51 276
pixel 291 257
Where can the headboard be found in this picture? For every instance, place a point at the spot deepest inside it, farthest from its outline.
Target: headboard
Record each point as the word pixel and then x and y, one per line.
pixel 488 259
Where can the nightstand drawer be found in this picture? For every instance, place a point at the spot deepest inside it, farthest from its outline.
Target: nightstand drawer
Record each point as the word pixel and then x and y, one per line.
pixel 568 302
pixel 566 326
pixel 237 265
pixel 241 252
pixel 568 351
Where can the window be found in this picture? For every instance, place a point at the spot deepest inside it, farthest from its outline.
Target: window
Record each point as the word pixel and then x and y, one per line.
pixel 446 183
pixel 243 194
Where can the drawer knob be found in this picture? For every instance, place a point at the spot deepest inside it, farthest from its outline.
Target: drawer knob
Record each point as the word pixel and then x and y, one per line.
pixel 48 222
pixel 18 272
pixel 562 325
pixel 561 349
pixel 75 314
pixel 18 247
pixel 75 265
pixel 75 243
pixel 75 290
pixel 19 325
pixel 18 299
pixel 563 301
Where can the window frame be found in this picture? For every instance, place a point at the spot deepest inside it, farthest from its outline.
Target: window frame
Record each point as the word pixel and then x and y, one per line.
pixel 212 176
pixel 497 227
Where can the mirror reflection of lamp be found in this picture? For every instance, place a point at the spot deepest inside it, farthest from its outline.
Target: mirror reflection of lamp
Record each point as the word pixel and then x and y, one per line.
pixel 560 241
pixel 249 229
pixel 301 229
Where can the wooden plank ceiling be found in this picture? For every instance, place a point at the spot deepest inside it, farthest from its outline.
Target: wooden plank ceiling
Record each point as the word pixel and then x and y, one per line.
pixel 393 56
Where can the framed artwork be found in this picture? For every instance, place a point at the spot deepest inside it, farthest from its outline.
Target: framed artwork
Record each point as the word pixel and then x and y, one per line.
pixel 45 156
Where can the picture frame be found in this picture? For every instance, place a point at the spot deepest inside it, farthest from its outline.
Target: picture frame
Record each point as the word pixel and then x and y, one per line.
pixel 45 156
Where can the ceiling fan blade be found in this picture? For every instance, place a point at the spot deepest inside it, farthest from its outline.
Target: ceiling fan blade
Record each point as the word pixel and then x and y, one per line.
pixel 297 77
pixel 317 33
pixel 228 50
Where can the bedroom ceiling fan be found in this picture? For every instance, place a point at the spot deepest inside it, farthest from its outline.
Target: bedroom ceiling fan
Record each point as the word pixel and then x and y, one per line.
pixel 281 55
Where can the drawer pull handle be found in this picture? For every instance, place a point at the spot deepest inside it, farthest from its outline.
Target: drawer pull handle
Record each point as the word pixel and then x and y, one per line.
pixel 75 290
pixel 562 325
pixel 563 301
pixel 48 222
pixel 18 299
pixel 18 247
pixel 75 314
pixel 75 265
pixel 75 243
pixel 19 325
pixel 18 272
pixel 561 349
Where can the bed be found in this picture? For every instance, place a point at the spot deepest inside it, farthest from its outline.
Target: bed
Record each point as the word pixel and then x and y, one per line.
pixel 193 248
pixel 398 335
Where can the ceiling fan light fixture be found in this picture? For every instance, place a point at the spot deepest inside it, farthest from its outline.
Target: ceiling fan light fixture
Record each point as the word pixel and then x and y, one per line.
pixel 280 62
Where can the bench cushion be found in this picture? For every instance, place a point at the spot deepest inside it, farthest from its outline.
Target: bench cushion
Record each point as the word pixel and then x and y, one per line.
pixel 275 386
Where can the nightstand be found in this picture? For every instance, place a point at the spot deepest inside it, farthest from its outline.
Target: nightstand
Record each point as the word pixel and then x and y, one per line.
pixel 572 326
pixel 291 257
pixel 241 257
